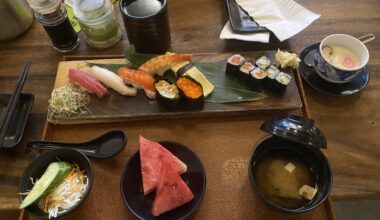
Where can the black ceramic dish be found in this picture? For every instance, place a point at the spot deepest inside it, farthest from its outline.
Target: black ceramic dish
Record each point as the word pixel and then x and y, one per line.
pixel 311 77
pixel 313 159
pixel 294 135
pixel 240 21
pixel 38 166
pixel 19 118
pixel 132 190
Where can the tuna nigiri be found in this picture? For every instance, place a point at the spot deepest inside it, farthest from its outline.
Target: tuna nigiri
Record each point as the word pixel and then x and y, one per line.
pixel 158 65
pixel 88 82
pixel 138 79
pixel 112 80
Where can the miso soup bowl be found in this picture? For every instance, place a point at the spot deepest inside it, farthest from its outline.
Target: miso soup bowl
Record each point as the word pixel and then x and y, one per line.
pixel 38 166
pixel 313 159
pixel 333 73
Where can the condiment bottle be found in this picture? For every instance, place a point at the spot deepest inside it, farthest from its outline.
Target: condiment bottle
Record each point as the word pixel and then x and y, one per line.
pixel 53 17
pixel 98 22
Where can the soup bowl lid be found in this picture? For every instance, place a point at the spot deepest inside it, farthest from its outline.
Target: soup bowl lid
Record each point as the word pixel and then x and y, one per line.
pixel 296 128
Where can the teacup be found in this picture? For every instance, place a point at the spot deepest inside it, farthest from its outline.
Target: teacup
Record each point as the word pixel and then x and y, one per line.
pixel 147 25
pixel 340 74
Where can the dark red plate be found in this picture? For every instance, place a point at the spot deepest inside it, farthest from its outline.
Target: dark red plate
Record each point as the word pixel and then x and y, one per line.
pixel 132 190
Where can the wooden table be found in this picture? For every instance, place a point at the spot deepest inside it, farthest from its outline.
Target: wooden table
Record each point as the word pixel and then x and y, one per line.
pixel 351 124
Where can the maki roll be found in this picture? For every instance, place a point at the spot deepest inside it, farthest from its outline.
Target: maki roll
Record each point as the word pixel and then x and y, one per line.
pixel 257 77
pixel 191 91
pixel 282 80
pixel 245 69
pixel 272 72
pixel 168 95
pixel 263 62
pixel 234 63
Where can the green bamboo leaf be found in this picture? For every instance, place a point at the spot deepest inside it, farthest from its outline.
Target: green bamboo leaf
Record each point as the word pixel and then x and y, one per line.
pixel 136 59
pixel 227 88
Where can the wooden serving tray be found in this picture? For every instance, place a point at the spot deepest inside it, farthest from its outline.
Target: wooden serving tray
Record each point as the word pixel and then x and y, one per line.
pixel 224 145
pixel 115 107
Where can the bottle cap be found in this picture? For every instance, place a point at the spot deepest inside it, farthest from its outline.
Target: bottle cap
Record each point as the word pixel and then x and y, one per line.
pixel 45 6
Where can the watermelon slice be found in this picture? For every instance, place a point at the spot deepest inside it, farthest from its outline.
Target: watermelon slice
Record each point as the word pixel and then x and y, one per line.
pixel 171 192
pixel 152 154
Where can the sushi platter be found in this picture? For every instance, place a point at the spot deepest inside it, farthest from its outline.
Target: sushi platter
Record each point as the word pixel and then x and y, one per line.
pixel 228 192
pixel 114 107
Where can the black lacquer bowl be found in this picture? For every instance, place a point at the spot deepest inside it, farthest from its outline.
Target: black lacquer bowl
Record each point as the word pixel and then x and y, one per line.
pixel 297 137
pixel 313 159
pixel 38 166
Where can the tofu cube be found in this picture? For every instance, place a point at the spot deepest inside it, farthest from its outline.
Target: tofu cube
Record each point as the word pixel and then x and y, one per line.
pixel 307 191
pixel 290 167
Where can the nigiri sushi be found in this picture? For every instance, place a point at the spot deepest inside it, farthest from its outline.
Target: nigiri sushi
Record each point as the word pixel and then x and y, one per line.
pixel 138 79
pixel 88 82
pixel 159 64
pixel 112 80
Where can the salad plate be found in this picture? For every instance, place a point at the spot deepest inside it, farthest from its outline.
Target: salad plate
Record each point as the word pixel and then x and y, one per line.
pixel 132 189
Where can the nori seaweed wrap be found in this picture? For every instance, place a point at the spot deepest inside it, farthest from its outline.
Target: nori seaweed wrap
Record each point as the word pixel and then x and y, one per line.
pixel 272 72
pixel 191 92
pixel 233 64
pixel 257 78
pixel 282 80
pixel 168 95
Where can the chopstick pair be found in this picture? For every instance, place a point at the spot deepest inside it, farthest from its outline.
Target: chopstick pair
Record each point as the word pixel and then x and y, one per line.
pixel 7 116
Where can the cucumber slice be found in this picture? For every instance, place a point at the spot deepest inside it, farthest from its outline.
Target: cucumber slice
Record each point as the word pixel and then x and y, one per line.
pixel 52 177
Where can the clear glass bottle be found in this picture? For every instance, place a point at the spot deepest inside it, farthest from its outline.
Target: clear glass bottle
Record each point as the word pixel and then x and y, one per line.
pixel 53 17
pixel 98 22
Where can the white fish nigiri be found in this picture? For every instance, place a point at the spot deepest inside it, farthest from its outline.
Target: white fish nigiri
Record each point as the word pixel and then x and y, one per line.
pixel 112 80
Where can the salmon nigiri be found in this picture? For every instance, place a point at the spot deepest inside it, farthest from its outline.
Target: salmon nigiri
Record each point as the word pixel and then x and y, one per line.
pixel 138 79
pixel 159 64
pixel 88 82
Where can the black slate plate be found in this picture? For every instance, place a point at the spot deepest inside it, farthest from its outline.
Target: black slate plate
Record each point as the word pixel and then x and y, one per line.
pixel 239 19
pixel 311 77
pixel 19 118
pixel 140 205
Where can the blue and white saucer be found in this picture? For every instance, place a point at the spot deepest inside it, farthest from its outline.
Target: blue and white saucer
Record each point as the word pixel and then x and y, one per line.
pixel 315 81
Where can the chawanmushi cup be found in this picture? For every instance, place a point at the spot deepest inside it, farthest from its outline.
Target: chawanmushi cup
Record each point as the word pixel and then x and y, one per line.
pixel 296 136
pixel 333 73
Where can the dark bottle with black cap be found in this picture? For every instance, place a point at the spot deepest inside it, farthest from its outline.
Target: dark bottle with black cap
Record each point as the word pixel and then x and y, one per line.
pixel 53 17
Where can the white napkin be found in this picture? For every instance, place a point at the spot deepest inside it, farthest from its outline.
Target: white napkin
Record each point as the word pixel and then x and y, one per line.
pixel 227 33
pixel 285 18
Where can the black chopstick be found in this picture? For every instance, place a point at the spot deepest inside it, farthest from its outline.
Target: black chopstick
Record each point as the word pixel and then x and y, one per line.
pixel 7 116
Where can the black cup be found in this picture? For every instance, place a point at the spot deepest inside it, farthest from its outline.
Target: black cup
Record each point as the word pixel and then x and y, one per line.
pixel 313 158
pixel 149 34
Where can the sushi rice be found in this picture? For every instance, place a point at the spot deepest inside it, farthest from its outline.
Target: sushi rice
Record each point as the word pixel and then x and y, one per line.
pixel 263 62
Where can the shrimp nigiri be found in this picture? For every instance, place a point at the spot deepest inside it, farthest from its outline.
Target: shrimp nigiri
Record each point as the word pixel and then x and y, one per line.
pixel 88 82
pixel 158 65
pixel 112 80
pixel 138 79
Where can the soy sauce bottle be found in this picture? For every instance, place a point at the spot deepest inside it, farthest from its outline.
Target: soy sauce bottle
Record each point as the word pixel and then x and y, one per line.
pixel 53 17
